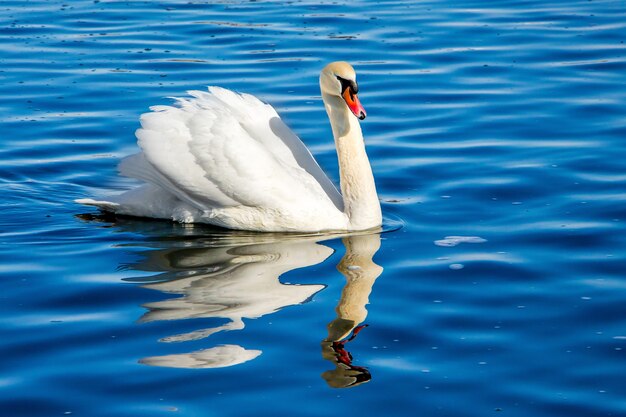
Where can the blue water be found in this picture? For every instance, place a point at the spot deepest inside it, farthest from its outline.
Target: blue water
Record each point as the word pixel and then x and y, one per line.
pixel 501 123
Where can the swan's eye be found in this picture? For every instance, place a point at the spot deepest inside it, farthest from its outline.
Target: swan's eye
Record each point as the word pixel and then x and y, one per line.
pixel 354 88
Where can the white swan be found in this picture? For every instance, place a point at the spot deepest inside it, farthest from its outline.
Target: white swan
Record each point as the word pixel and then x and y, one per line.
pixel 228 159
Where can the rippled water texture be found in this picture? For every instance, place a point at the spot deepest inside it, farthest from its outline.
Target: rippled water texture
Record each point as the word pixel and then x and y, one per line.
pixel 496 132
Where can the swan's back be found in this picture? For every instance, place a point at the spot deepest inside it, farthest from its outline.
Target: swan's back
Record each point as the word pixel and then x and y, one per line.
pixel 227 159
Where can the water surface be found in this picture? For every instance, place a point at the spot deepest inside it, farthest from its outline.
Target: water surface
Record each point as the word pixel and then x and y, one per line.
pixel 496 134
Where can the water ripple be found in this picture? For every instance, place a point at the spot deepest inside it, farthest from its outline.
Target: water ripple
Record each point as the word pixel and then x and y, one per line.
pixel 496 126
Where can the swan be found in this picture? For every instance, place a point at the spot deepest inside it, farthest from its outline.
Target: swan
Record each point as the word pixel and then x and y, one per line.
pixel 227 159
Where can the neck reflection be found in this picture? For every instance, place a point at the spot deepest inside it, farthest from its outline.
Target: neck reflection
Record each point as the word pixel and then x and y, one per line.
pixel 360 272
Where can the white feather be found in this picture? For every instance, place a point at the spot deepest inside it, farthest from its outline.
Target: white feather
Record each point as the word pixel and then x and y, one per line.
pixel 226 159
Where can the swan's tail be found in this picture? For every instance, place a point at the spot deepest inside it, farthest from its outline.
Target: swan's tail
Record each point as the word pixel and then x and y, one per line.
pixel 101 204
pixel 147 200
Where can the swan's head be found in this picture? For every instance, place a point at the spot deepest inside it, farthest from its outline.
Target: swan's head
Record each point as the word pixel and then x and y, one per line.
pixel 339 79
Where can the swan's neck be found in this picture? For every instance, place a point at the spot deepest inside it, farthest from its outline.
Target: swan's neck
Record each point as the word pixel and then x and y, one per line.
pixel 360 200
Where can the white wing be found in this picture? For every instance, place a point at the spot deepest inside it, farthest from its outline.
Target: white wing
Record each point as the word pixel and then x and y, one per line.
pixel 227 159
pixel 222 149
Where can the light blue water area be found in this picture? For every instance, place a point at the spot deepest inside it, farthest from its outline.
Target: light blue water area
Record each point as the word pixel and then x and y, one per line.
pixel 496 132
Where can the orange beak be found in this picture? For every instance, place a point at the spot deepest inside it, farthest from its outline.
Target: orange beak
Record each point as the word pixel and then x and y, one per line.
pixel 352 100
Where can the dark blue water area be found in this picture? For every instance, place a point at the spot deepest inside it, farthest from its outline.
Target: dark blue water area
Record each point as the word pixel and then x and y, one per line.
pixel 496 132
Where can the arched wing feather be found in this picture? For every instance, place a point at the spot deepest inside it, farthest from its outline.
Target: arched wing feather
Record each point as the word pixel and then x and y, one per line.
pixel 221 149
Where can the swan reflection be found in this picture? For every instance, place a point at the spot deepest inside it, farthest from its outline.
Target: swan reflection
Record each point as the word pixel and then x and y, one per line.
pixel 233 280
pixel 235 276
